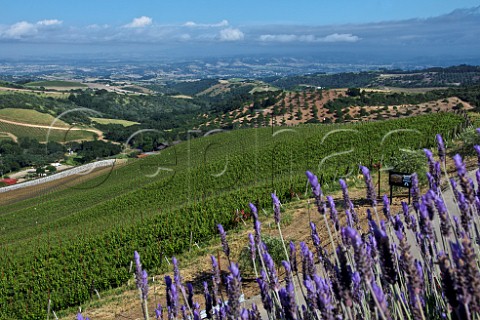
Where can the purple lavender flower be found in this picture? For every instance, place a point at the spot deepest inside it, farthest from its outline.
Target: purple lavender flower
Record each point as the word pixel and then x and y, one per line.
pixel 324 298
pixel 461 170
pixel 356 287
pixel 477 176
pixel 428 200
pixel 465 215
pixel 272 272
pixel 138 269
pixel 477 205
pixel 308 264
pixel 276 208
pixel 350 221
pixel 371 195
pixel 441 147
pixel 317 192
pixel 316 241
pixel 159 312
pixel 333 213
pixel 425 223
pixel 347 202
pixel 362 259
pixel 316 189
pixel 292 255
pixel 311 297
pixel 254 211
pixel 183 308
pixel 386 208
pixel 172 297
pixel 431 182
pixel 144 285
pixel 437 173
pixel 234 290
pixel 244 314
pixel 453 183
pixel 176 272
pixel 445 223
pixel 196 311
pixel 398 224
pixel 264 292
pixel 431 161
pixel 190 295
pixel 287 299
pixel 406 215
pixel 258 232
pixel 477 150
pixel 389 271
pixel 80 317
pixel 465 182
pixel 251 244
pixel 215 279
pixel 415 191
pixel 223 237
pixel 208 300
pixel 382 302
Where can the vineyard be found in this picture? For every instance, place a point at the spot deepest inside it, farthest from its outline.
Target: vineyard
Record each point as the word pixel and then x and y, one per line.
pixel 65 245
pixel 41 133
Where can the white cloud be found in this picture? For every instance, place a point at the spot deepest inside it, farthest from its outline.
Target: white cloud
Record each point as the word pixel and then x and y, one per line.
pixel 341 37
pixel 344 37
pixel 50 22
pixel 19 30
pixel 231 34
pixel 192 24
pixel 140 22
pixel 278 37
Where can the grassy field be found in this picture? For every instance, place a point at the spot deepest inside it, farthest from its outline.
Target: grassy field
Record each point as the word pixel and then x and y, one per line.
pixel 56 83
pixel 124 123
pixel 30 117
pixel 55 246
pixel 41 133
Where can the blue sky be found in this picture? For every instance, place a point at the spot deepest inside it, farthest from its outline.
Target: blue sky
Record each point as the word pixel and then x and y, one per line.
pixel 245 12
pixel 410 27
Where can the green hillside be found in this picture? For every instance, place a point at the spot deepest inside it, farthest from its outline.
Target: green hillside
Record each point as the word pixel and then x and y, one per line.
pixel 41 133
pixel 124 123
pixel 60 245
pixel 30 116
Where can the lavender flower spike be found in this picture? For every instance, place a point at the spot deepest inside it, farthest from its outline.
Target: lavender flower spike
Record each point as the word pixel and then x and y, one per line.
pixel 144 287
pixel 386 208
pixel 276 208
pixel 138 269
pixel 254 211
pixel 264 292
pixel 317 191
pixel 371 195
pixel 80 317
pixel 251 244
pixel 441 147
pixel 223 236
pixel 477 150
pixel 234 291
pixel 159 312
pixel 382 302
pixel 333 213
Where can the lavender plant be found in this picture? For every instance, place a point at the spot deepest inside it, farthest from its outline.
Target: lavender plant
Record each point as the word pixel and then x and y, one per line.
pixel 416 264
